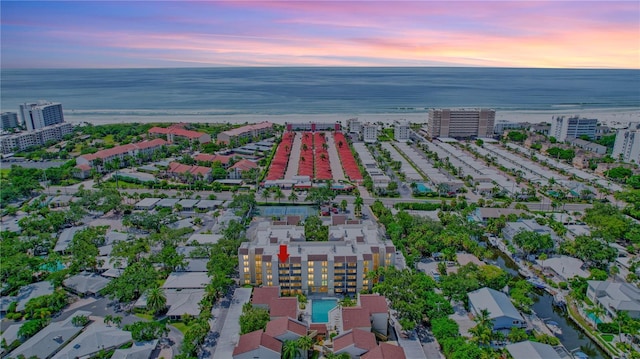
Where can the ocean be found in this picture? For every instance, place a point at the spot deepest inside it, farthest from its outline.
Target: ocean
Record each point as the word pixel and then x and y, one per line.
pixel 220 94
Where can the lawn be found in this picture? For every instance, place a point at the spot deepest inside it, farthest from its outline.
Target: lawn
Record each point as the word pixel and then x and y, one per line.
pixel 180 326
pixel 108 140
pixel 146 316
pixel 607 337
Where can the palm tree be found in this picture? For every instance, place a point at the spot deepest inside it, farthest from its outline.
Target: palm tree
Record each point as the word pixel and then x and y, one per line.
pixel 289 349
pixel 108 319
pixel 278 194
pixel 305 147
pixel 156 300
pixel 305 344
pixel 266 194
pixel 293 197
pixel 340 144
pixel 325 146
pixel 343 205
pixel 357 204
pixel 117 320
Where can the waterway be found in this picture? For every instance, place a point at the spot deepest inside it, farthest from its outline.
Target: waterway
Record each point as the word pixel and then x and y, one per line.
pixel 572 337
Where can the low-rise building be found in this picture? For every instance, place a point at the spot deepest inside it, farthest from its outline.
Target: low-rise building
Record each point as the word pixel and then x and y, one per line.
pixel 355 342
pixel 256 131
pixel 615 297
pixel 502 313
pixel 24 140
pixel 189 173
pixel 236 171
pixel 178 132
pixel 588 146
pixel 512 228
pixel 135 150
pixel 257 344
pixel 370 133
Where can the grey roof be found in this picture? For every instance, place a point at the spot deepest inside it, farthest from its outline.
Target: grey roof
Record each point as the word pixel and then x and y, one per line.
pixel 209 204
pixel 10 334
pixel 619 296
pixel 140 350
pixel 185 301
pixel 497 303
pixel 65 238
pixel 204 238
pixel 167 202
pixel 186 280
pixel 196 265
pixel 188 203
pixel 49 339
pixel 86 283
pixel 97 336
pixel 565 266
pixel 112 237
pixel 183 223
pixel 28 292
pixel 147 203
pixel 532 350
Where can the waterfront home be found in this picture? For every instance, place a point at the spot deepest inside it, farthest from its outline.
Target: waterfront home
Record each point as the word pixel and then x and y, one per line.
pixel 513 228
pixel 614 297
pixel 532 350
pixel 564 267
pixel 502 313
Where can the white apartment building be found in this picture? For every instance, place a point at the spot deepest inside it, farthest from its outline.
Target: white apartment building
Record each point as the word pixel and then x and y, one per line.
pixel 563 128
pixel 9 120
pixel 402 131
pixel 337 266
pixel 355 125
pixel 39 137
pixel 36 115
pixel 627 145
pixel 461 123
pixel 370 133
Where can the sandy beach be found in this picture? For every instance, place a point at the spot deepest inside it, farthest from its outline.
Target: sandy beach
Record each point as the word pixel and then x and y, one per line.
pixel 612 117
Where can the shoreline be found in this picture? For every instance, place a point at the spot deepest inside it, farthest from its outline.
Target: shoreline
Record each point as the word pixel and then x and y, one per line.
pixel 614 117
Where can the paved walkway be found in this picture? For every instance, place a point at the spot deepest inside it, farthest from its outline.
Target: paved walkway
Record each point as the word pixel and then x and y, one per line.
pixel 334 158
pixel 229 335
pixel 294 157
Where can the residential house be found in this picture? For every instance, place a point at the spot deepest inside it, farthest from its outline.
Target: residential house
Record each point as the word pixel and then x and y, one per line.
pixel 564 267
pixel 513 228
pixel 502 313
pixel 378 310
pixel 139 350
pixel 207 159
pixel 25 294
pixel 95 338
pixel 615 297
pixel 286 329
pixel 284 307
pixel 50 339
pixel 355 318
pixel 189 173
pixel 178 132
pixel 186 280
pixel 262 296
pixel 385 351
pixel 235 172
pixel 354 342
pixel 257 344
pixel 86 283
pixel 532 350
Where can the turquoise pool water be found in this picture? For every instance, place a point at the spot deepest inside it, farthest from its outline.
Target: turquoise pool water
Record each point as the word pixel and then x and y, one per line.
pixel 320 309
pixel 594 318
pixel 51 267
pixel 420 187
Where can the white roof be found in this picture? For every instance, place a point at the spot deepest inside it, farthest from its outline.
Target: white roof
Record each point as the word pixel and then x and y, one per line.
pixel 139 350
pixel 497 303
pixel 86 282
pixel 567 267
pixel 147 202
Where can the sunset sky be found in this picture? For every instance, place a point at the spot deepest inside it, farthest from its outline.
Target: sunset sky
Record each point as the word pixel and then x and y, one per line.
pixel 119 34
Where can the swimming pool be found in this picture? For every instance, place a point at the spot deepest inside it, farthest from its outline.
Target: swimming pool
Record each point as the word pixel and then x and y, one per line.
pixel 320 309
pixel 420 187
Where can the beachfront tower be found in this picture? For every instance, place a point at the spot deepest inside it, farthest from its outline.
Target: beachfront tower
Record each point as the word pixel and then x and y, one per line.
pixel 627 145
pixel 9 120
pixel 37 115
pixel 461 123
pixel 563 128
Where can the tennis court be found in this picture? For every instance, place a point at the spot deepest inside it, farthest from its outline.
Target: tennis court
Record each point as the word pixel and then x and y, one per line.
pixel 281 211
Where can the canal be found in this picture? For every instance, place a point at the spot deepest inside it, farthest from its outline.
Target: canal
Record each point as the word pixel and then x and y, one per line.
pixel 572 337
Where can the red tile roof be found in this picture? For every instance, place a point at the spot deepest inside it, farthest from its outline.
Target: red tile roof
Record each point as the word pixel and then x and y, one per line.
pixel 175 167
pixel 385 351
pixel 84 167
pixel 119 150
pixel 263 295
pixel 205 157
pixel 284 307
pixel 360 338
pixel 254 340
pixel 176 131
pixel 280 326
pixel 374 303
pixel 355 317
pixel 320 328
pixel 245 165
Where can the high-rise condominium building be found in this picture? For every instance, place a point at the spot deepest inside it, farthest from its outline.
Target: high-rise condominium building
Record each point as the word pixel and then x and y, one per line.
pixel 402 131
pixel 461 123
pixel 627 145
pixel 9 120
pixel 36 115
pixel 370 133
pixel 572 127
pixel 338 265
